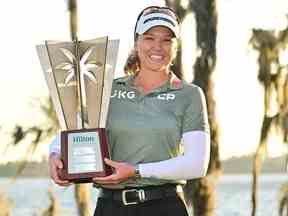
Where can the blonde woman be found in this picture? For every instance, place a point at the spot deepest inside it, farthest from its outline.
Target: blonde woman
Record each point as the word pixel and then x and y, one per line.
pixel 157 127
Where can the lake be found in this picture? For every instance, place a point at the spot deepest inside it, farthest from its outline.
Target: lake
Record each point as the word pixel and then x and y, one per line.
pixel 30 195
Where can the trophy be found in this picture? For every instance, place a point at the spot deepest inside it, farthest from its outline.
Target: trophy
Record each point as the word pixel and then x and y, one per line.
pixel 79 75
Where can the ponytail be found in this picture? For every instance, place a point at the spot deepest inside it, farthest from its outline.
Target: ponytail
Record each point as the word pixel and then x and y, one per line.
pixel 132 65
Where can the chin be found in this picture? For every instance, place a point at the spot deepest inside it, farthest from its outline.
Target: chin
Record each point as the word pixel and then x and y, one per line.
pixel 158 67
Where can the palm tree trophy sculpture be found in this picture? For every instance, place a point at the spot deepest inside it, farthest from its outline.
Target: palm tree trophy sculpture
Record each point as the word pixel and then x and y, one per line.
pixel 79 75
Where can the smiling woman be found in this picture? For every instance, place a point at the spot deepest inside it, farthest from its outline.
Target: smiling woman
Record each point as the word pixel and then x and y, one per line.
pixel 152 116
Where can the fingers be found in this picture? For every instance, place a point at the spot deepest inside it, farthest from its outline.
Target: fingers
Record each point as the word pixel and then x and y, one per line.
pixel 111 179
pixel 122 171
pixel 63 184
pixel 59 163
pixel 58 181
pixel 55 168
pixel 111 163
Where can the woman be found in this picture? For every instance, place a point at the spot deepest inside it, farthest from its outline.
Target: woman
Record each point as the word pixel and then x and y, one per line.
pixel 153 116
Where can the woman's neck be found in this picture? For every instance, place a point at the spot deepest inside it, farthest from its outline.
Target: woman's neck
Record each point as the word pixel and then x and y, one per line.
pixel 149 80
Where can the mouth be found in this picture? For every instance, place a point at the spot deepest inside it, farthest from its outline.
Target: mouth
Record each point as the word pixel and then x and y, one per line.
pixel 157 58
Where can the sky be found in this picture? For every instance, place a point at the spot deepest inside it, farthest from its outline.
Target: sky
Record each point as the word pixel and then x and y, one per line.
pixel 24 24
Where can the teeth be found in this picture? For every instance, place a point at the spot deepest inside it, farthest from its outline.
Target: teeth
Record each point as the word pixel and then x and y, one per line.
pixel 157 57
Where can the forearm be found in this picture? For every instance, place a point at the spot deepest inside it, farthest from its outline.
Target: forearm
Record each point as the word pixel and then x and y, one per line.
pixel 192 164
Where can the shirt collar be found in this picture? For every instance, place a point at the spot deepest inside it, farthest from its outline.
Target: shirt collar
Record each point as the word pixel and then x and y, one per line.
pixel 175 83
pixel 126 80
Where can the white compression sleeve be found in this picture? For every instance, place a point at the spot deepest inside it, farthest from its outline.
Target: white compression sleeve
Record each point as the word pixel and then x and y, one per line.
pixel 192 164
pixel 54 146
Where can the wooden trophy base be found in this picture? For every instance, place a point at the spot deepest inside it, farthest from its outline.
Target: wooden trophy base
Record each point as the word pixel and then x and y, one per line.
pixel 83 152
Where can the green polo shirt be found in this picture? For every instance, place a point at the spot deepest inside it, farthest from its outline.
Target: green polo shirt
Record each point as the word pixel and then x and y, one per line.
pixel 144 128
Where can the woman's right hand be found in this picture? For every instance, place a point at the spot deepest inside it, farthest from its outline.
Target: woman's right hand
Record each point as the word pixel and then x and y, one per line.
pixel 55 165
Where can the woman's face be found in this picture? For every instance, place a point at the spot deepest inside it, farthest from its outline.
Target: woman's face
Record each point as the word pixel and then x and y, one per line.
pixel 156 49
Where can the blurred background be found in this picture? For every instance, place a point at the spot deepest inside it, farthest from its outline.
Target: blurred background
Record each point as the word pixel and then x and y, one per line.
pixel 236 51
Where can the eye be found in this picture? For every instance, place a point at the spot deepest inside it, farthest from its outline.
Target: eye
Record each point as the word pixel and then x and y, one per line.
pixel 167 39
pixel 148 37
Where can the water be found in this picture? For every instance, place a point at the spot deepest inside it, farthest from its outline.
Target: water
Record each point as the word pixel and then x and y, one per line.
pixel 233 195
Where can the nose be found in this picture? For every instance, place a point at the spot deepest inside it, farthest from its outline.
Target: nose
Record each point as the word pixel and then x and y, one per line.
pixel 157 44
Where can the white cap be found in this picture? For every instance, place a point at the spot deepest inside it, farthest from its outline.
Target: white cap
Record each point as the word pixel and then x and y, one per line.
pixel 148 21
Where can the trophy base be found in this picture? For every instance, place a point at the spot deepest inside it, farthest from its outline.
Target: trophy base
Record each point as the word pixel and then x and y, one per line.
pixel 83 152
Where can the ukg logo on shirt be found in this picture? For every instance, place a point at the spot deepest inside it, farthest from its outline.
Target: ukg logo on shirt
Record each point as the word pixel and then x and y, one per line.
pixel 120 94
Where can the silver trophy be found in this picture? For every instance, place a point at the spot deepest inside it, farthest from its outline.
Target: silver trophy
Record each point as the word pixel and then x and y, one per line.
pixel 79 75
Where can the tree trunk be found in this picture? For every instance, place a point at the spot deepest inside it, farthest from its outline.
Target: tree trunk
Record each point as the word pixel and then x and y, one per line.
pixel 82 196
pixel 73 10
pixel 261 152
pixel 181 12
pixel 200 193
pixel 283 200
pixel 269 45
pixel 54 207
pixel 5 205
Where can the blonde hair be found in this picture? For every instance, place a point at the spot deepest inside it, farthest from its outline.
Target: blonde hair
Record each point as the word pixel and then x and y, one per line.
pixel 132 65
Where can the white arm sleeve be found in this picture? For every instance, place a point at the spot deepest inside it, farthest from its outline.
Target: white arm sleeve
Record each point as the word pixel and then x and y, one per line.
pixel 192 164
pixel 55 146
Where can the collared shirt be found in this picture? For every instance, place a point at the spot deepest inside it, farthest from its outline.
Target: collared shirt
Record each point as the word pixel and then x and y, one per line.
pixel 148 127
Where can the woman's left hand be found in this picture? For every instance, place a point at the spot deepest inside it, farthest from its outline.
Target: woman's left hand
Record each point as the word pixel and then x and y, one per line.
pixel 122 171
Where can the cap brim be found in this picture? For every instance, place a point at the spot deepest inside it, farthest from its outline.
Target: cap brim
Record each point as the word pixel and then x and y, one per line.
pixel 146 22
pixel 144 28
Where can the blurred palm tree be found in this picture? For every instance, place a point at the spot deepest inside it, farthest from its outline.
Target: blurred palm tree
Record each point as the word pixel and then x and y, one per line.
pixel 5 205
pixel 82 192
pixel 272 75
pixel 200 193
pixel 41 132
pixel 37 134
pixel 283 200
pixel 54 208
pixel 181 13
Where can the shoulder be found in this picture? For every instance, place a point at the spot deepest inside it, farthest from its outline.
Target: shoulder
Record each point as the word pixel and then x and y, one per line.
pixel 183 85
pixel 121 79
pixel 192 89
